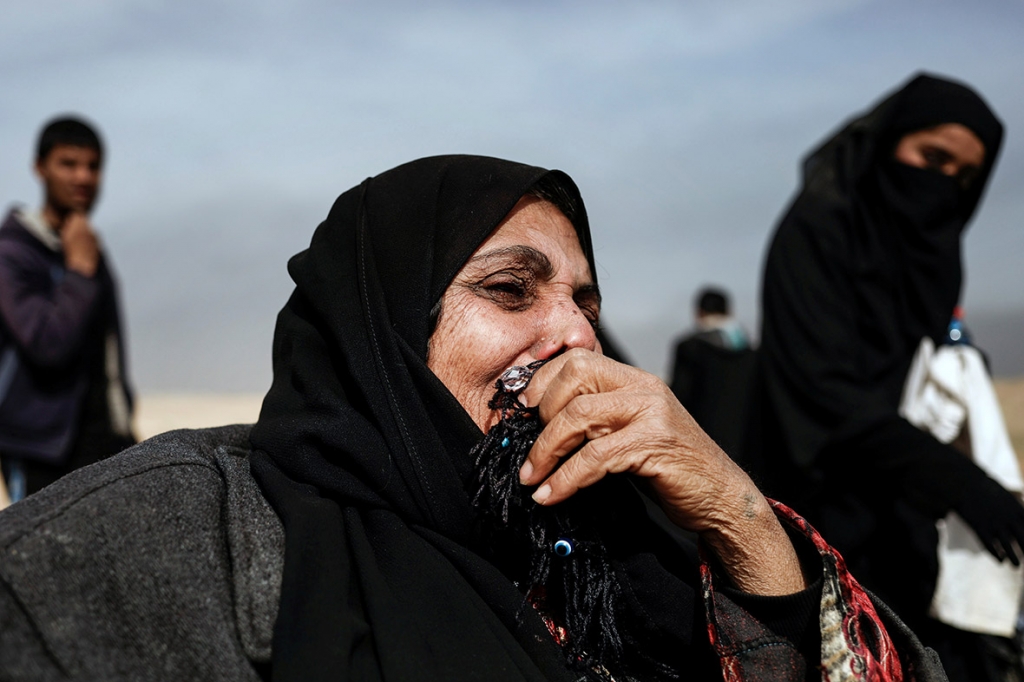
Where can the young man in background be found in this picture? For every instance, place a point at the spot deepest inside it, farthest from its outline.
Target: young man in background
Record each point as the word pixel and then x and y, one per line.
pixel 64 396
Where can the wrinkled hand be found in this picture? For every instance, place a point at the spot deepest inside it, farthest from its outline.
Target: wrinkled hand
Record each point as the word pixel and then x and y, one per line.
pixel 81 247
pixel 604 417
pixel 996 517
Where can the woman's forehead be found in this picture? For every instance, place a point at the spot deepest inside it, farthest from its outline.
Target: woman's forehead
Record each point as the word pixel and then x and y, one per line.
pixel 538 225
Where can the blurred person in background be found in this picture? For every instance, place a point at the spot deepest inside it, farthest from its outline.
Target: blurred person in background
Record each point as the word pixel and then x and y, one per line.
pixel 64 395
pixel 712 370
pixel 865 264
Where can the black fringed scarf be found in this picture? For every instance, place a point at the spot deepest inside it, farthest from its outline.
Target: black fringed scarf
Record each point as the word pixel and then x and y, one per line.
pixel 554 551
pixel 365 456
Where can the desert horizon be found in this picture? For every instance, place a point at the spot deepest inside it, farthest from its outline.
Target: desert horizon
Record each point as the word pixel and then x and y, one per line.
pixel 157 412
pixel 161 411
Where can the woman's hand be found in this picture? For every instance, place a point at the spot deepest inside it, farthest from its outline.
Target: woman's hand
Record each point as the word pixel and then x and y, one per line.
pixel 604 417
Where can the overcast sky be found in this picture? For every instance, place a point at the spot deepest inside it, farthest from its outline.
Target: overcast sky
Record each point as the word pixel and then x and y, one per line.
pixel 232 125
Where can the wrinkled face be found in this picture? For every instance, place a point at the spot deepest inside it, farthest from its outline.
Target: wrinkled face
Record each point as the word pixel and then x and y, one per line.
pixel 71 177
pixel 951 149
pixel 526 294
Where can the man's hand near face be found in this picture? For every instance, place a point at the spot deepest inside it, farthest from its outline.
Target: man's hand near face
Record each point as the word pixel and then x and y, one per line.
pixel 81 247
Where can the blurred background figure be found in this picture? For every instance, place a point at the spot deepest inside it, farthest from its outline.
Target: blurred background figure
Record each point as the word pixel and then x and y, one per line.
pixel 64 396
pixel 713 368
pixel 865 265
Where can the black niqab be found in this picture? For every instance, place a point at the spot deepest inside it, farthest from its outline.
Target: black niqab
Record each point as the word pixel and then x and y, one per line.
pixel 364 454
pixel 866 263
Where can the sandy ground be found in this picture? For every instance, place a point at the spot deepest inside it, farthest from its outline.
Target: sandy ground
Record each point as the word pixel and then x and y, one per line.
pixel 159 412
pixel 1011 398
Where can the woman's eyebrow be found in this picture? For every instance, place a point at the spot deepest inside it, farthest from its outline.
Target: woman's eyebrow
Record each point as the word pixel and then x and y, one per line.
pixel 523 256
pixel 536 261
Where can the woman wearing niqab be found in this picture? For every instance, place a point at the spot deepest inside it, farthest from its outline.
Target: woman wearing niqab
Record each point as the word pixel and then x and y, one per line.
pixel 342 538
pixel 865 264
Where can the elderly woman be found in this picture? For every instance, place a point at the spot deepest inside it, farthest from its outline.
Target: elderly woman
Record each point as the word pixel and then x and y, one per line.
pixel 366 529
pixel 864 264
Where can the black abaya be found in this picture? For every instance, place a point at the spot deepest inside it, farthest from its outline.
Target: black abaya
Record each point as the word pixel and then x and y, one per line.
pixel 864 264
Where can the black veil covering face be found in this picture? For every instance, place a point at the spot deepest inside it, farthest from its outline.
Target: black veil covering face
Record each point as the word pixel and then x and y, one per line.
pixel 864 264
pixel 364 454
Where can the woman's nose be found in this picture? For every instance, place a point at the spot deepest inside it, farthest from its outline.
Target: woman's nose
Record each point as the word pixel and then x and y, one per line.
pixel 566 328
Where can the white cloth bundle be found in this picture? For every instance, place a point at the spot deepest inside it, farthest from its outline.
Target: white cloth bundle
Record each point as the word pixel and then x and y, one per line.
pixel 946 390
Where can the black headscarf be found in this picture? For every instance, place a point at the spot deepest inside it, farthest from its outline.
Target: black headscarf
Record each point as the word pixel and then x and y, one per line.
pixel 364 453
pixel 865 263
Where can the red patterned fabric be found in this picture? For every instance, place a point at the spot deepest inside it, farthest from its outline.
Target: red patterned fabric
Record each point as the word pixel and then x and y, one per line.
pixel 854 644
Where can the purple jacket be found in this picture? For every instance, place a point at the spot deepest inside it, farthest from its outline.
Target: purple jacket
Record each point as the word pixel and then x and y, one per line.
pixel 51 321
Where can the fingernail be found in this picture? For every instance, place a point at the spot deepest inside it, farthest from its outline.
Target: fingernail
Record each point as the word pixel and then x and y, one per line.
pixel 542 494
pixel 525 472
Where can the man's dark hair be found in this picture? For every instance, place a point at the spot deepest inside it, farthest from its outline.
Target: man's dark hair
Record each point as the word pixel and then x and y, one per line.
pixel 67 130
pixel 713 301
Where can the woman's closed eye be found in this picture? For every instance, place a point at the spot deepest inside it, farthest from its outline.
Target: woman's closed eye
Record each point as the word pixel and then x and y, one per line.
pixel 509 290
pixel 590 311
pixel 588 299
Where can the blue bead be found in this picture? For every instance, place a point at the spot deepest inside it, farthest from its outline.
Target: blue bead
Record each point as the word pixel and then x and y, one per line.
pixel 504 443
pixel 564 547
